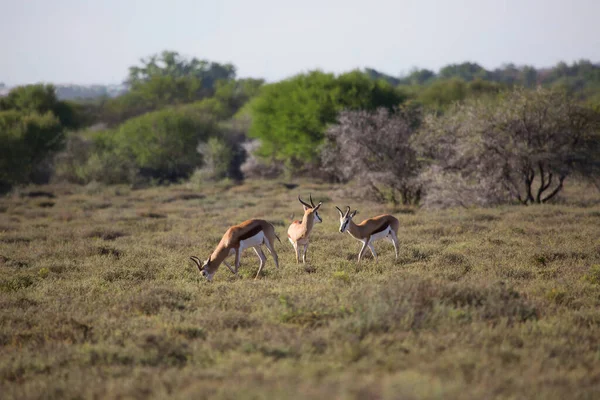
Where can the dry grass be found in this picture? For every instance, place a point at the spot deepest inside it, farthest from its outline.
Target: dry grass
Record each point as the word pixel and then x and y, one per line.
pixel 98 299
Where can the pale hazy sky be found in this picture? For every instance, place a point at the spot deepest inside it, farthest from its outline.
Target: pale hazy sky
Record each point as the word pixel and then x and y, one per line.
pixel 95 41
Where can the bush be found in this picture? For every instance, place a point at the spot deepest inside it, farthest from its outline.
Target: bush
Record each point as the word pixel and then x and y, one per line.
pixel 162 144
pixel 374 149
pixel 39 99
pixel 521 147
pixel 26 142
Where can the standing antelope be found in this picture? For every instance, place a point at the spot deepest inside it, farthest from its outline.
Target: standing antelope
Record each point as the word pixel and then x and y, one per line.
pixel 382 226
pixel 299 231
pixel 251 233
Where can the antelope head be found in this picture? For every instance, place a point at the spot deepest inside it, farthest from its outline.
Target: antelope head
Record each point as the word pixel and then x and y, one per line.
pixel 311 208
pixel 345 218
pixel 207 269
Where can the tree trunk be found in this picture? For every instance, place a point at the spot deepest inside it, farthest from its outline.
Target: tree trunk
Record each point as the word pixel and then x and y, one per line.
pixel 556 190
pixel 544 184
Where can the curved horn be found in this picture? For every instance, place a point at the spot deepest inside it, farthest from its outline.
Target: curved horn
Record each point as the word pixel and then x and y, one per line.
pixel 304 203
pixel 197 261
pixel 340 211
pixel 347 211
pixel 311 201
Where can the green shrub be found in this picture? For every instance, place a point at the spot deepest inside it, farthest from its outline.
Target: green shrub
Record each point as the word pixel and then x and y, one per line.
pixel 40 99
pixel 26 140
pixel 162 144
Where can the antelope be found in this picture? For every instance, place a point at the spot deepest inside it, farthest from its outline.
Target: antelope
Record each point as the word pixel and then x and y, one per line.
pixel 382 226
pixel 251 233
pixel 299 231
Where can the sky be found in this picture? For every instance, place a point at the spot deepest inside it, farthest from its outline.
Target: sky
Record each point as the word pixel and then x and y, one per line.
pixel 96 41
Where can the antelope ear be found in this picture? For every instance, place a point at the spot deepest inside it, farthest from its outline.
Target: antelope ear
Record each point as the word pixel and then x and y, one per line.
pixel 318 205
pixel 354 213
pixel 207 261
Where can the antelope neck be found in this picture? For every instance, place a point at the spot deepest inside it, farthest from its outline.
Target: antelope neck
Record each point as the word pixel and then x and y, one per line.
pixel 354 230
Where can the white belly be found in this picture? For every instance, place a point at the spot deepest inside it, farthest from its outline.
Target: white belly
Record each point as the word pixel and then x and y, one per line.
pixel 380 235
pixel 252 241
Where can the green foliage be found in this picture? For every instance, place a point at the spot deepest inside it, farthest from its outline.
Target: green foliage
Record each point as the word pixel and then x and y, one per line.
pixel 32 124
pixel 233 94
pixel 159 91
pixel 582 79
pixel 208 108
pixel 39 99
pixel 290 117
pixel 172 64
pixel 162 144
pixel 169 79
pixel 466 71
pixel 25 141
pixel 443 93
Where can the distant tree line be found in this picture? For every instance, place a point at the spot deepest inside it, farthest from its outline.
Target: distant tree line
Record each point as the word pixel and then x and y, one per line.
pixel 462 136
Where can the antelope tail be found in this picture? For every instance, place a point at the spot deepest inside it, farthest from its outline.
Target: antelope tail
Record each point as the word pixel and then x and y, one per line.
pixel 275 233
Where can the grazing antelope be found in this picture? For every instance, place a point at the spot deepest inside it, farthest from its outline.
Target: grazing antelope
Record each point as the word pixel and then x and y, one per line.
pixel 251 233
pixel 299 231
pixel 382 226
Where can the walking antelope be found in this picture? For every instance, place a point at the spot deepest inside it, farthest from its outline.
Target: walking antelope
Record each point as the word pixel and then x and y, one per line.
pixel 251 233
pixel 382 226
pixel 299 231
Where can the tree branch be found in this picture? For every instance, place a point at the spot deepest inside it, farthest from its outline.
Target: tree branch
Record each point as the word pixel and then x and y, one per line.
pixel 529 175
pixel 538 198
pixel 557 189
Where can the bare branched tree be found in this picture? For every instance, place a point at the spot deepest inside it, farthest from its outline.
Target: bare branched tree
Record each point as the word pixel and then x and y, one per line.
pixel 521 147
pixel 374 149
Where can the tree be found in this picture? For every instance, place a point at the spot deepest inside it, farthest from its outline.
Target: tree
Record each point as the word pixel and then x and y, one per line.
pixel 466 71
pixel 172 64
pixel 373 147
pixel 528 76
pixel 521 147
pixel 376 75
pixel 163 80
pixel 419 77
pixel 290 117
pixel 233 94
pixel 441 94
pixel 26 140
pixel 39 99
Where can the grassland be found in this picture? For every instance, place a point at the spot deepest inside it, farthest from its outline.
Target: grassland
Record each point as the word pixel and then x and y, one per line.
pixel 98 299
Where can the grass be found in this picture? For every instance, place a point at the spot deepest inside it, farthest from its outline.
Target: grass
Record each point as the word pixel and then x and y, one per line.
pixel 98 298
